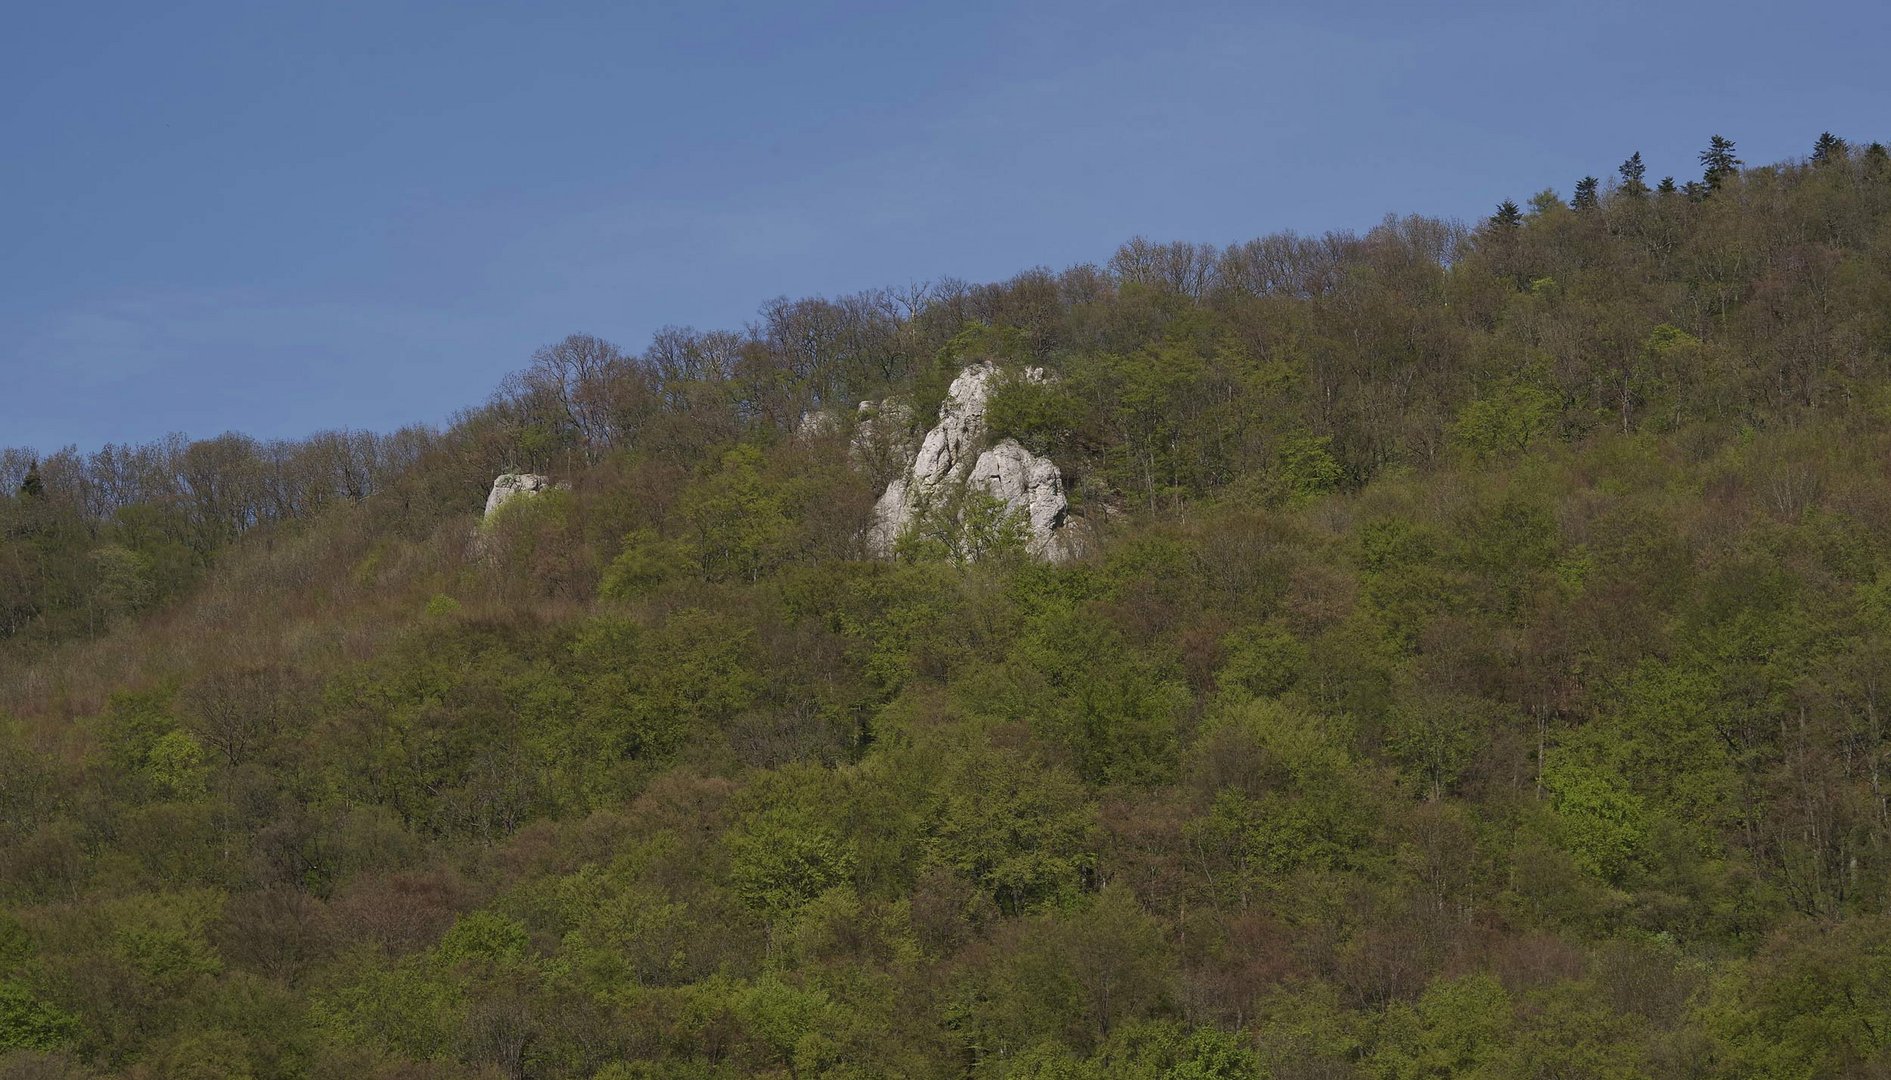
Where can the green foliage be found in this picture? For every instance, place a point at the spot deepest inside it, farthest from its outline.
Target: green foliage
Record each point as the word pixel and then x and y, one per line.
pixel 164 937
pixel 738 517
pixel 784 857
pixel 964 524
pixel 646 561
pixel 28 1022
pixel 1507 418
pixel 1075 979
pixel 175 766
pixel 1022 831
pixel 1814 1003
pixel 1477 670
pixel 1456 1028
pixel 1307 467
pixel 1043 415
pixel 1598 821
pixel 1263 661
pixel 133 725
pixel 787 1020
pixel 485 940
pixel 1164 1050
pixel 1285 797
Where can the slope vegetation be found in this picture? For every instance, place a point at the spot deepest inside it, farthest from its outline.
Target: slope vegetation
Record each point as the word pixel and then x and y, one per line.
pixel 1479 668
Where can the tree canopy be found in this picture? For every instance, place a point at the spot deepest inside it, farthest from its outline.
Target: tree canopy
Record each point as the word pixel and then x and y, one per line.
pixel 1476 673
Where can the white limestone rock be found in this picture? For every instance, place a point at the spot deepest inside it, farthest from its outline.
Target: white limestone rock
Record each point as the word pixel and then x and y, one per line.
pixel 955 456
pixel 1027 484
pixel 509 486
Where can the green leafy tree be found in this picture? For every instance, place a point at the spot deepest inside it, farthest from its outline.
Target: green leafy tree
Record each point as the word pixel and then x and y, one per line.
pixel 175 766
pixel 1024 832
pixel 1456 1028
pixel 1815 1002
pixel 1306 467
pixel 1263 661
pixel 739 517
pixel 1166 1050
pixel 1508 418
pixel 790 1021
pixel 28 1022
pixel 785 856
pixel 1074 978
pixel 646 561
pixel 1599 821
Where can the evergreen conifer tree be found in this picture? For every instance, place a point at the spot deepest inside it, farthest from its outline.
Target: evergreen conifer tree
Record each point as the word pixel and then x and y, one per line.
pixel 1508 216
pixel 1585 198
pixel 1829 148
pixel 1633 174
pixel 1718 162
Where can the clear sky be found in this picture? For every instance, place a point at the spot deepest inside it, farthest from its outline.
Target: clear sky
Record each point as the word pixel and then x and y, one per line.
pixel 282 217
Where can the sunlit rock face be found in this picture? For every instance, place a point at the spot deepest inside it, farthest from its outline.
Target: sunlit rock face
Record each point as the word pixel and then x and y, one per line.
pixel 954 457
pixel 1029 485
pixel 509 486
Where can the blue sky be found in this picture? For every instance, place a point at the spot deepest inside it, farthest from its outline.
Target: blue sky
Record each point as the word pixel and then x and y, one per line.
pixel 278 218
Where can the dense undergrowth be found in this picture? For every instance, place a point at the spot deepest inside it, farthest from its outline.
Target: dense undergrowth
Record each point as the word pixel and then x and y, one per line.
pixel 1480 672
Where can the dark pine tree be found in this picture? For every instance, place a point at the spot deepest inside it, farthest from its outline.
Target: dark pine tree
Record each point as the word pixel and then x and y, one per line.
pixel 1508 216
pixel 1718 162
pixel 1666 187
pixel 1585 198
pixel 1829 148
pixel 1633 174
pixel 33 487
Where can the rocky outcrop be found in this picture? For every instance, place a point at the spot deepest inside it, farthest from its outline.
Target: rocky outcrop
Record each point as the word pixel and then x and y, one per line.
pixel 955 457
pixel 1030 486
pixel 509 486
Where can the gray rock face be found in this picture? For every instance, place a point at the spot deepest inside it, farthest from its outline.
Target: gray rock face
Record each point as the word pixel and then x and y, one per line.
pixel 510 486
pixel 1026 484
pixel 955 457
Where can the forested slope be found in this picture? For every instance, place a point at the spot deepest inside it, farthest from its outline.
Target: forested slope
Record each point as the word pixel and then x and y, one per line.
pixel 1480 670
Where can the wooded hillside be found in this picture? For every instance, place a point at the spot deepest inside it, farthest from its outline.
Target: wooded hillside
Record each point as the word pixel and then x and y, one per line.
pixel 1479 672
